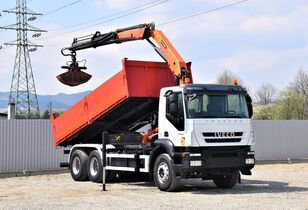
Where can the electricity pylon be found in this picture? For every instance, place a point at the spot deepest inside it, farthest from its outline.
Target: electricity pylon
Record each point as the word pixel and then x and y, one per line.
pixel 23 92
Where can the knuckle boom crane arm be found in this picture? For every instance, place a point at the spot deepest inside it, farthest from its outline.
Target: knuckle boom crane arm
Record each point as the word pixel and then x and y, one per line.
pixel 74 76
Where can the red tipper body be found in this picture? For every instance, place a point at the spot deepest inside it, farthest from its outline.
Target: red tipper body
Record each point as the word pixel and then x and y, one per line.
pixel 126 98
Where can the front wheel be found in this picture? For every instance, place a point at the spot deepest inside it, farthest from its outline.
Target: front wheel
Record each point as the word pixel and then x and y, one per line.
pixel 164 175
pixel 226 181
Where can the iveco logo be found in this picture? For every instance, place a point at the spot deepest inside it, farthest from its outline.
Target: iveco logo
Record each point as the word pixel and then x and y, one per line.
pixel 224 134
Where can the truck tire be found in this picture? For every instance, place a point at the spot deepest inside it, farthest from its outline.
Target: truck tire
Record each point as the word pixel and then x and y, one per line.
pixel 164 175
pixel 226 181
pixel 95 169
pixel 78 165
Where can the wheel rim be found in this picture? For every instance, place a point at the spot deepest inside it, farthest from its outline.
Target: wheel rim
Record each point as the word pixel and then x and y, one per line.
pixel 94 167
pixel 76 165
pixel 163 172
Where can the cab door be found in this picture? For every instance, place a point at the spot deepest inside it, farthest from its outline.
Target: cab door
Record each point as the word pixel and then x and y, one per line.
pixel 171 118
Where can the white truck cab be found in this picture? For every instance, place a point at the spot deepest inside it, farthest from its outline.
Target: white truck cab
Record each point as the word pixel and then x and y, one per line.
pixel 205 115
pixel 209 128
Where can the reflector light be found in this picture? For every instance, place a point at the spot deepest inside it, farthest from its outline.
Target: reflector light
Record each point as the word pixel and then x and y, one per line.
pixel 249 161
pixel 195 163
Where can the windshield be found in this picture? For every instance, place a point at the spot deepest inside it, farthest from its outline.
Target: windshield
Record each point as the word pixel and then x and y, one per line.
pixel 216 106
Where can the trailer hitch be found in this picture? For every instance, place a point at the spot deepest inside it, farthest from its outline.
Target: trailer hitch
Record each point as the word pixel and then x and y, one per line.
pixel 74 76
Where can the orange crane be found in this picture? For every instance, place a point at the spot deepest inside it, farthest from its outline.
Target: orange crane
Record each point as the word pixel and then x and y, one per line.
pixel 75 76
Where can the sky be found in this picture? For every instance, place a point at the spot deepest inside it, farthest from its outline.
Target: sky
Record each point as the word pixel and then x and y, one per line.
pixel 259 40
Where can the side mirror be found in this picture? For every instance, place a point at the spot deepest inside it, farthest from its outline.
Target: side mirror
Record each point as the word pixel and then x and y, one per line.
pixel 172 101
pixel 249 105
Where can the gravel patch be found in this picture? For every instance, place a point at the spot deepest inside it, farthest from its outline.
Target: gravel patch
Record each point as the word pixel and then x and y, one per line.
pixel 273 186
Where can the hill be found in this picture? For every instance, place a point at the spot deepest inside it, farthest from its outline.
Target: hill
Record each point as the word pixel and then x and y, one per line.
pixel 59 101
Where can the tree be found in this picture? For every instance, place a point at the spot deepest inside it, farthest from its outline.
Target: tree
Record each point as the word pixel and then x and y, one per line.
pixel 45 115
pixel 227 76
pixel 265 112
pixel 24 115
pixel 290 106
pixel 265 94
pixel 301 83
pixel 300 92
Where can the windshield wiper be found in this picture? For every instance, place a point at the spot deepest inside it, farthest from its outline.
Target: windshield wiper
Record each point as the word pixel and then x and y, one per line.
pixel 192 97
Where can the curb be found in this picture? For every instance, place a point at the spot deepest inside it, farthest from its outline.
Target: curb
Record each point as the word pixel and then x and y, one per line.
pixel 32 172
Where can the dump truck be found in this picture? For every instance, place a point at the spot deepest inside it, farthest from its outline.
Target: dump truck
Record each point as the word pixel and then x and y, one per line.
pixel 150 118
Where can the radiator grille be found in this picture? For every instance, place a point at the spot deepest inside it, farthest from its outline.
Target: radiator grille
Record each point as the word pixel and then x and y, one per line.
pixel 222 137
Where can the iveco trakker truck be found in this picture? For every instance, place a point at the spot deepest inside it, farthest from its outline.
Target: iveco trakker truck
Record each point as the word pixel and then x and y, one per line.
pixel 193 130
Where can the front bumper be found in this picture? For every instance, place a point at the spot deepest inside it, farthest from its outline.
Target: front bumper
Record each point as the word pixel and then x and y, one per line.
pixel 209 161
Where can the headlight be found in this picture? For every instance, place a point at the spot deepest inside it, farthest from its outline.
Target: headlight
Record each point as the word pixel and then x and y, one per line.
pixel 252 137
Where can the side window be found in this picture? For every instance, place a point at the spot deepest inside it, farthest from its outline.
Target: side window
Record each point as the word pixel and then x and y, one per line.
pixel 175 110
pixel 234 103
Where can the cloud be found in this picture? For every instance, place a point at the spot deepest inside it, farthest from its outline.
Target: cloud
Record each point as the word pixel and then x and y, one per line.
pixel 261 60
pixel 213 42
pixel 296 19
pixel 255 66
pixel 251 61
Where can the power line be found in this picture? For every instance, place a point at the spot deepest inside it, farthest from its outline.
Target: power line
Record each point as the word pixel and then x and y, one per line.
pixel 107 20
pixel 143 7
pixel 105 17
pixel 60 8
pixel 3 14
pixel 167 22
pixel 163 23
pixel 202 13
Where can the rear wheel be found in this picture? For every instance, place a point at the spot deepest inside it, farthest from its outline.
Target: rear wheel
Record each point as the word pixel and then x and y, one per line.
pixel 78 165
pixel 95 168
pixel 164 175
pixel 226 181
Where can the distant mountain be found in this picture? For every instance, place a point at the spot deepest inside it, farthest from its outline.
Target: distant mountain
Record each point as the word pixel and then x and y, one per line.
pixel 59 101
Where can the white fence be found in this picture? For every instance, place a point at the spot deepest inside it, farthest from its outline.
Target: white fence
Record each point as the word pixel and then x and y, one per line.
pixel 281 139
pixel 27 144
